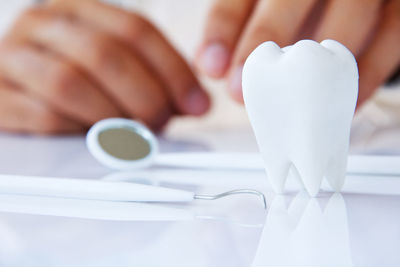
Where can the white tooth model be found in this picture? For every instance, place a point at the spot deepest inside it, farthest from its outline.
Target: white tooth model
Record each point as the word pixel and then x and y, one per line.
pixel 300 101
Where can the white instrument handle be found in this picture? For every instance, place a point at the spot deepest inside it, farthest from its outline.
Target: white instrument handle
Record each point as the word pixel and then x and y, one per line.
pixel 90 189
pixel 210 160
pixel 357 164
pixel 91 209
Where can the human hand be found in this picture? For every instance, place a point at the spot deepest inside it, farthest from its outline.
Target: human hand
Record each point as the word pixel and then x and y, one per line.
pixel 68 64
pixel 370 29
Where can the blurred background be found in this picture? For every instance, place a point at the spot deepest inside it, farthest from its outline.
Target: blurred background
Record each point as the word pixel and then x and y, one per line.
pixel 185 36
pixel 376 126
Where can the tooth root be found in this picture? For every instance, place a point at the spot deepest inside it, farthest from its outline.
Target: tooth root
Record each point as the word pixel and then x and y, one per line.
pixel 277 174
pixel 336 171
pixel 311 176
pixel 293 170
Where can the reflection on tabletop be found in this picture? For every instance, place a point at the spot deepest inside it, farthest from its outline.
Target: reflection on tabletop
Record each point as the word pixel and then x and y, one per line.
pixel 361 225
pixel 356 230
pixel 305 234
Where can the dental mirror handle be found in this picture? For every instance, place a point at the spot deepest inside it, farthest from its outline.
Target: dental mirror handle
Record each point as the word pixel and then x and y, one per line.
pixel 356 165
pixel 207 160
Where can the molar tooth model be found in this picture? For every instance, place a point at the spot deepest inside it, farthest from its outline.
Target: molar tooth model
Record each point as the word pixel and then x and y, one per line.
pixel 300 101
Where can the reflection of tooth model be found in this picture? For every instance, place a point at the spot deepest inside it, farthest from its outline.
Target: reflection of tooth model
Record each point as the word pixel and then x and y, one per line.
pixel 304 235
pixel 300 101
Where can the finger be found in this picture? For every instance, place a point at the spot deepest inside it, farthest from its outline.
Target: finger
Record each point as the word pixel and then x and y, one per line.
pixel 382 57
pixel 21 113
pixel 224 25
pixel 349 22
pixel 56 82
pixel 124 77
pixel 187 95
pixel 273 20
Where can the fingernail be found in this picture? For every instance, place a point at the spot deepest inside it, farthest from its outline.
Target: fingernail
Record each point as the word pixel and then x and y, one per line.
pixel 196 101
pixel 214 60
pixel 235 85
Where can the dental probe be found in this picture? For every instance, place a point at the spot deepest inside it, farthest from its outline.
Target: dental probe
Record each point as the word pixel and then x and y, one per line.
pixel 104 190
pixel 107 210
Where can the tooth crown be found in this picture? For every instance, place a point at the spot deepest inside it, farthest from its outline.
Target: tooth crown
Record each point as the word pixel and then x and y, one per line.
pixel 300 101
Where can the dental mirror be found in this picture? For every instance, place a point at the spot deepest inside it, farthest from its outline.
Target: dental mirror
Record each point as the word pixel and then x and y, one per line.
pixel 122 143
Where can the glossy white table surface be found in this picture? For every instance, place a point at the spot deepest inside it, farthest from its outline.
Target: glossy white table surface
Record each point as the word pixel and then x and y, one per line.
pixel 348 229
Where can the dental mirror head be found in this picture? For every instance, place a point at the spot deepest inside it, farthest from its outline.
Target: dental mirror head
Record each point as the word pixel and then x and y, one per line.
pixel 122 144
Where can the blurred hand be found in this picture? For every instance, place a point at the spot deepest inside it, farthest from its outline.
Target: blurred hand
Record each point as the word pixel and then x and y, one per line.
pixel 370 29
pixel 71 63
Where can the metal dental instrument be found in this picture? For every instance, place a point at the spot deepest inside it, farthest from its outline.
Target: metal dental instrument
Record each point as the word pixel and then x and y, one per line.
pixel 234 192
pixel 104 190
